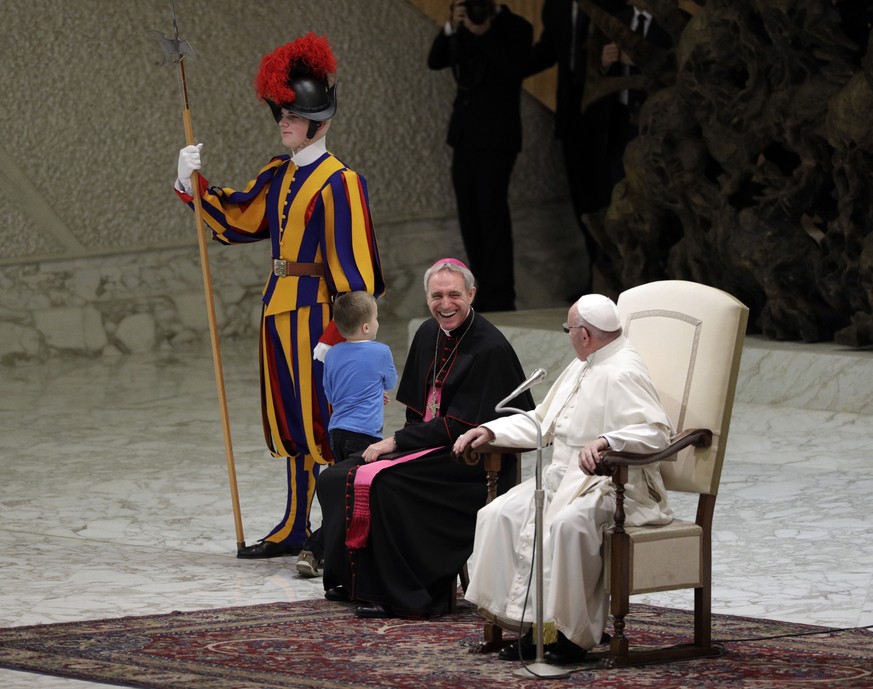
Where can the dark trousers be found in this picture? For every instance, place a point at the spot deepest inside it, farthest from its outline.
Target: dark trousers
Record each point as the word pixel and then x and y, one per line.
pixel 343 444
pixel 623 129
pixel 481 181
pixel 580 152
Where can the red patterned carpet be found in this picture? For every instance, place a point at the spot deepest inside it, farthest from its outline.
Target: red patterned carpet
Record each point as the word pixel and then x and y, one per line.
pixel 321 645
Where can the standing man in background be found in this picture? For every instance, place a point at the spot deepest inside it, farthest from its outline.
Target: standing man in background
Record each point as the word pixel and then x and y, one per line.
pixel 564 42
pixel 624 106
pixel 486 46
pixel 315 212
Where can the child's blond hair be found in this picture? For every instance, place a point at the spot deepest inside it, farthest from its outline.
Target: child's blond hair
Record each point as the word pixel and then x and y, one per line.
pixel 352 310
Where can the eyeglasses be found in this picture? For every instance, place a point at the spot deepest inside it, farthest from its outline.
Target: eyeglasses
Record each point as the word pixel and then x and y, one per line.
pixel 567 327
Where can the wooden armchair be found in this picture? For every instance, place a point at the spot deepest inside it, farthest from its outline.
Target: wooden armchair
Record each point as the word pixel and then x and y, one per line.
pixel 691 337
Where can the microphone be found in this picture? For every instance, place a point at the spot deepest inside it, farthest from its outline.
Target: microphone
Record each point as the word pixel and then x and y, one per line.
pixel 534 378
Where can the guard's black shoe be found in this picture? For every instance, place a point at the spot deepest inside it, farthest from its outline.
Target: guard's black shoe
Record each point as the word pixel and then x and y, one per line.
pixel 266 549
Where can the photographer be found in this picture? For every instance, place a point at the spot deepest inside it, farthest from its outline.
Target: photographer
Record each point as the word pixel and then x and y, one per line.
pixel 486 46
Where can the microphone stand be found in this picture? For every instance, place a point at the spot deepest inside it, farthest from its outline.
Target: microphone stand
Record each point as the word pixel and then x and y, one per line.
pixel 539 668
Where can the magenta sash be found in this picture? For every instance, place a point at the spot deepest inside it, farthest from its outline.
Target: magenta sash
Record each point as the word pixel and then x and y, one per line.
pixel 358 531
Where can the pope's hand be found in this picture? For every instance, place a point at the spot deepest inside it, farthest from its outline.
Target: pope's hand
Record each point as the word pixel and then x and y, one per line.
pixel 589 456
pixel 189 161
pixel 473 438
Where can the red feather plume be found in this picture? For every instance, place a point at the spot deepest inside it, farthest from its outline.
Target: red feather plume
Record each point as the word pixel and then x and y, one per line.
pixel 310 53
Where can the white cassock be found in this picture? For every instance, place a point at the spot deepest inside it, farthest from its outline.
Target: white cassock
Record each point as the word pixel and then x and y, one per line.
pixel 610 395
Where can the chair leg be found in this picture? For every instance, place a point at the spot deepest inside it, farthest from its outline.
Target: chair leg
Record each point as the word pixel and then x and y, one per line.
pixel 492 639
pixel 464 576
pixel 702 617
pixel 620 592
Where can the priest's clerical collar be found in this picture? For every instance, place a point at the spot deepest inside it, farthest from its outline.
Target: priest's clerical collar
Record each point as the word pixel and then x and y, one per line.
pixel 307 156
pixel 462 328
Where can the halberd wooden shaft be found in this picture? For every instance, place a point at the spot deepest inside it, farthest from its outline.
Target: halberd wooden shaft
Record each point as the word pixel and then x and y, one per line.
pixel 178 49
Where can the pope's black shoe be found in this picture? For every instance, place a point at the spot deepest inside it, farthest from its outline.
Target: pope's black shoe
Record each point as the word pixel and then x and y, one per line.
pixel 527 646
pixel 337 593
pixel 372 610
pixel 564 652
pixel 266 549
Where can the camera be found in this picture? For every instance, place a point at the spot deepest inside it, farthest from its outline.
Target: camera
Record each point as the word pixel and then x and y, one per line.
pixel 478 11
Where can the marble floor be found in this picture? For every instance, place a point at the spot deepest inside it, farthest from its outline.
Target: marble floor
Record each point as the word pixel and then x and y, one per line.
pixel 114 497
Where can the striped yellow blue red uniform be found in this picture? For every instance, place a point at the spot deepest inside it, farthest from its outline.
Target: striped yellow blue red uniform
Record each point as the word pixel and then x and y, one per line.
pixel 318 213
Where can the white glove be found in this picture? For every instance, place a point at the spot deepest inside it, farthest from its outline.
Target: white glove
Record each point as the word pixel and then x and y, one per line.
pixel 320 351
pixel 189 160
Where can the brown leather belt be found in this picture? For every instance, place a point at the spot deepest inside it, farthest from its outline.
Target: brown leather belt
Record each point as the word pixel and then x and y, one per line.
pixel 283 268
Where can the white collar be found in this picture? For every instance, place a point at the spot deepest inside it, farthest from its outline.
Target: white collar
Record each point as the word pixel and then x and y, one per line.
pixel 607 350
pixel 309 154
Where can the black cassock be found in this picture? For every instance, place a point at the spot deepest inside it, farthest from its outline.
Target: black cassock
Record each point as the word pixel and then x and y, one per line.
pixel 423 512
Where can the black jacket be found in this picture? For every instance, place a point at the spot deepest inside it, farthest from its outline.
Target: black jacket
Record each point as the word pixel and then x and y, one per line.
pixel 488 70
pixel 553 48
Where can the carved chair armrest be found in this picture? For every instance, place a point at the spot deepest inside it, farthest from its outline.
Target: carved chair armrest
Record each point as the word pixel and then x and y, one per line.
pixel 491 458
pixel 616 464
pixel 489 453
pixel 612 460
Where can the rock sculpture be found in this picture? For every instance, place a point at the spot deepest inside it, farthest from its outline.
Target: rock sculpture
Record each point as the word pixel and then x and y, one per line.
pixel 753 169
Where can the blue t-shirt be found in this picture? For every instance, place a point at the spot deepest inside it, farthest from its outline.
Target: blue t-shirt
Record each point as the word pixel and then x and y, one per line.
pixel 355 376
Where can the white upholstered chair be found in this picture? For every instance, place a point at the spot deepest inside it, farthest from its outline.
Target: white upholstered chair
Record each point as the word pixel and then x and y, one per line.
pixel 691 338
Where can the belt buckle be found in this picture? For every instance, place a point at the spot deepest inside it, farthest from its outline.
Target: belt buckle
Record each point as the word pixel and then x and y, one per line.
pixel 280 267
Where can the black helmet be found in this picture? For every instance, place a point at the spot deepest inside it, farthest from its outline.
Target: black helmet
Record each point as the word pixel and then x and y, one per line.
pixel 299 77
pixel 314 99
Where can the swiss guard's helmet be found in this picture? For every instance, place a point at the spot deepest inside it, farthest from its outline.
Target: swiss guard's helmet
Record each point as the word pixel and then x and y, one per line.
pixel 300 77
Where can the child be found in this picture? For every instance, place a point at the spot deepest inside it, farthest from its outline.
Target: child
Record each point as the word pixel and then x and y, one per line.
pixel 357 375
